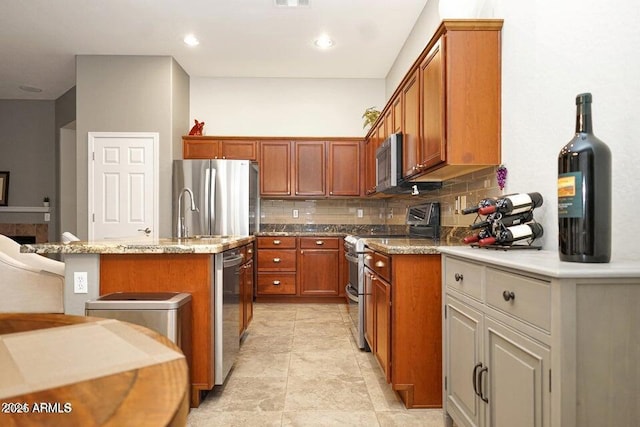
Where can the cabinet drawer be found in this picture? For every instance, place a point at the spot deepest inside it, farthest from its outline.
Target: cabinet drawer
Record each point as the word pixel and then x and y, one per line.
pixel 276 260
pixel 379 263
pixel 524 297
pixel 319 243
pixel 277 242
pixel 464 277
pixel 277 284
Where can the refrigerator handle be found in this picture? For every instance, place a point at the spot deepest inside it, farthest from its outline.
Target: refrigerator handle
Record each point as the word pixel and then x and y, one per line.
pixel 212 202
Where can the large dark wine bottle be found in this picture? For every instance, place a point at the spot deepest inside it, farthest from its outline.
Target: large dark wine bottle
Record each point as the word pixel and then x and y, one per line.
pixel 506 237
pixel 514 204
pixel 584 192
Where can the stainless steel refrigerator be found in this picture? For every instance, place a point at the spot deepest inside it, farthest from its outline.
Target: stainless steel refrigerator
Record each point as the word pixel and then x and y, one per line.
pixel 225 193
pixel 225 201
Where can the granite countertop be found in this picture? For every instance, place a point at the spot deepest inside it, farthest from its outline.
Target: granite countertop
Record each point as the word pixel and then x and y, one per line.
pixel 404 246
pixel 301 234
pixel 198 245
pixel 547 263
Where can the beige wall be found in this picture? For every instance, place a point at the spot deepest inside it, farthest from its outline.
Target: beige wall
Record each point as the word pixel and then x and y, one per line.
pixel 551 52
pixel 131 94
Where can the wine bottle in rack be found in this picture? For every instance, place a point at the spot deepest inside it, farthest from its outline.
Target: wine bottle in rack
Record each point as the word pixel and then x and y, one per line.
pixel 504 221
pixel 509 235
pixel 481 204
pixel 482 234
pixel 514 204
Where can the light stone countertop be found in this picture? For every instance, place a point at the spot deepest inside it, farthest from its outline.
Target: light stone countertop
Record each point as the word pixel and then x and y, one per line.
pixel 404 246
pixel 204 245
pixel 546 263
pixel 542 262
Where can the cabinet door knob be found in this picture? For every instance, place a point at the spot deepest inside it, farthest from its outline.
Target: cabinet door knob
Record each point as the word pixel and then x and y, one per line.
pixel 379 264
pixel 249 251
pixel 458 277
pixel 276 242
pixel 319 242
pixel 276 260
pixel 276 282
pixel 508 295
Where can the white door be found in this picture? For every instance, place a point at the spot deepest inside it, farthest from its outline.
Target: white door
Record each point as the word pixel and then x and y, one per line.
pixel 123 185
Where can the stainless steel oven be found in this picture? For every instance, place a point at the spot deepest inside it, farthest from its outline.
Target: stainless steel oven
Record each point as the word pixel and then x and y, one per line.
pixel 423 221
pixel 355 290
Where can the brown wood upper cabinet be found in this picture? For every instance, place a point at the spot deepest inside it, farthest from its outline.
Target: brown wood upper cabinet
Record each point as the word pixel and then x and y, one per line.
pixel 432 151
pixel 376 138
pixel 310 168
pixel 275 168
pixel 447 106
pixel 344 168
pixel 410 124
pixel 204 147
pixel 310 164
pixel 460 84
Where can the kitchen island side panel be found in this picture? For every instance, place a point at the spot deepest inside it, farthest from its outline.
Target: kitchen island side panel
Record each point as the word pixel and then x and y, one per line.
pixel 190 273
pixel 417 329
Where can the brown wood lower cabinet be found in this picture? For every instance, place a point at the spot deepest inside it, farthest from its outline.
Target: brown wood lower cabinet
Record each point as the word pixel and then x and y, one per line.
pixel 403 324
pixel 247 277
pixel 301 268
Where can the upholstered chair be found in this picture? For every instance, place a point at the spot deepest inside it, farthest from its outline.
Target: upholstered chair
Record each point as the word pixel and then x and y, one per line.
pixel 29 283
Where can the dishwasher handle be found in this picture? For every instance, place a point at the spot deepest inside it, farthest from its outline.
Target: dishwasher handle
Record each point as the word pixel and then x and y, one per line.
pixel 349 290
pixel 232 261
pixel 350 257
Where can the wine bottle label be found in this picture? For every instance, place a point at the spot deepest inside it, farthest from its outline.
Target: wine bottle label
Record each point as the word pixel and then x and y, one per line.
pixel 521 203
pixel 570 195
pixel 520 231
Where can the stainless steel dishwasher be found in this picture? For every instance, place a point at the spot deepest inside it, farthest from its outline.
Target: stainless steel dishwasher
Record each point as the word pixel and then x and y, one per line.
pixel 226 305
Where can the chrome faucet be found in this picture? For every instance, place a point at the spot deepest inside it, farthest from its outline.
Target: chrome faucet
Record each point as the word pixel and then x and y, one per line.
pixel 181 229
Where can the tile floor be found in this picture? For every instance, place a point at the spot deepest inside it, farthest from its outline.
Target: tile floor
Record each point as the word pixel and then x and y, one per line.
pixel 299 366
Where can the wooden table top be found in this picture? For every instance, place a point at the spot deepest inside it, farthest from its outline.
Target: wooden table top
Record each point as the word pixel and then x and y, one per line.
pixel 155 395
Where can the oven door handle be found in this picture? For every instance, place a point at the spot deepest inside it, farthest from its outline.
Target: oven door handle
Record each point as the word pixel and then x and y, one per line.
pixel 351 258
pixel 350 294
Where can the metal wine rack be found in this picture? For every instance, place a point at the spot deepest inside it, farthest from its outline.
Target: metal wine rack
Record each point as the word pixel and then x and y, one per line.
pixel 493 224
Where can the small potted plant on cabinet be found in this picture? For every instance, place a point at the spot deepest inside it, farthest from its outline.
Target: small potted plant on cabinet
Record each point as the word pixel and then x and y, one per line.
pixel 45 201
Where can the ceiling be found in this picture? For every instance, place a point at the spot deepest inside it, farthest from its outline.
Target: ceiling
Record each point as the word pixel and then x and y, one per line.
pixel 238 38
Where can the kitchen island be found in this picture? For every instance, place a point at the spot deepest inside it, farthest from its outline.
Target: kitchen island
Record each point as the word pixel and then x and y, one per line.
pixel 165 265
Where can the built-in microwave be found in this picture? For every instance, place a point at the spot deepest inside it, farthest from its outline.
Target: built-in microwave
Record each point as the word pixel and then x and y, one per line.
pixel 389 169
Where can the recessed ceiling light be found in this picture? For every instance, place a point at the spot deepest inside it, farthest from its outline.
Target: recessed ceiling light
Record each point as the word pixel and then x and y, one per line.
pixel 191 40
pixel 30 88
pixel 323 42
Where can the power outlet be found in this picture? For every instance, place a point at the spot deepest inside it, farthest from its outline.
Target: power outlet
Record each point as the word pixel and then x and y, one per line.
pixel 295 213
pixel 360 213
pixel 80 285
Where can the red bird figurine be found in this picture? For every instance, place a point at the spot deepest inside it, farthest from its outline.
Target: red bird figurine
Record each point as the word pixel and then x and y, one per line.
pixel 196 130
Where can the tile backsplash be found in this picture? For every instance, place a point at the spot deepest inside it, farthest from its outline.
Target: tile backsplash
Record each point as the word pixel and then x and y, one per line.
pixel 389 211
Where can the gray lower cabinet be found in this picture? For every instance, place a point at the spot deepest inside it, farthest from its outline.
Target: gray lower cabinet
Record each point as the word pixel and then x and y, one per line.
pixel 530 341
pixel 495 373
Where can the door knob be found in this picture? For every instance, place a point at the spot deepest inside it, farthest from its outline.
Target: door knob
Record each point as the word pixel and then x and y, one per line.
pixel 146 231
